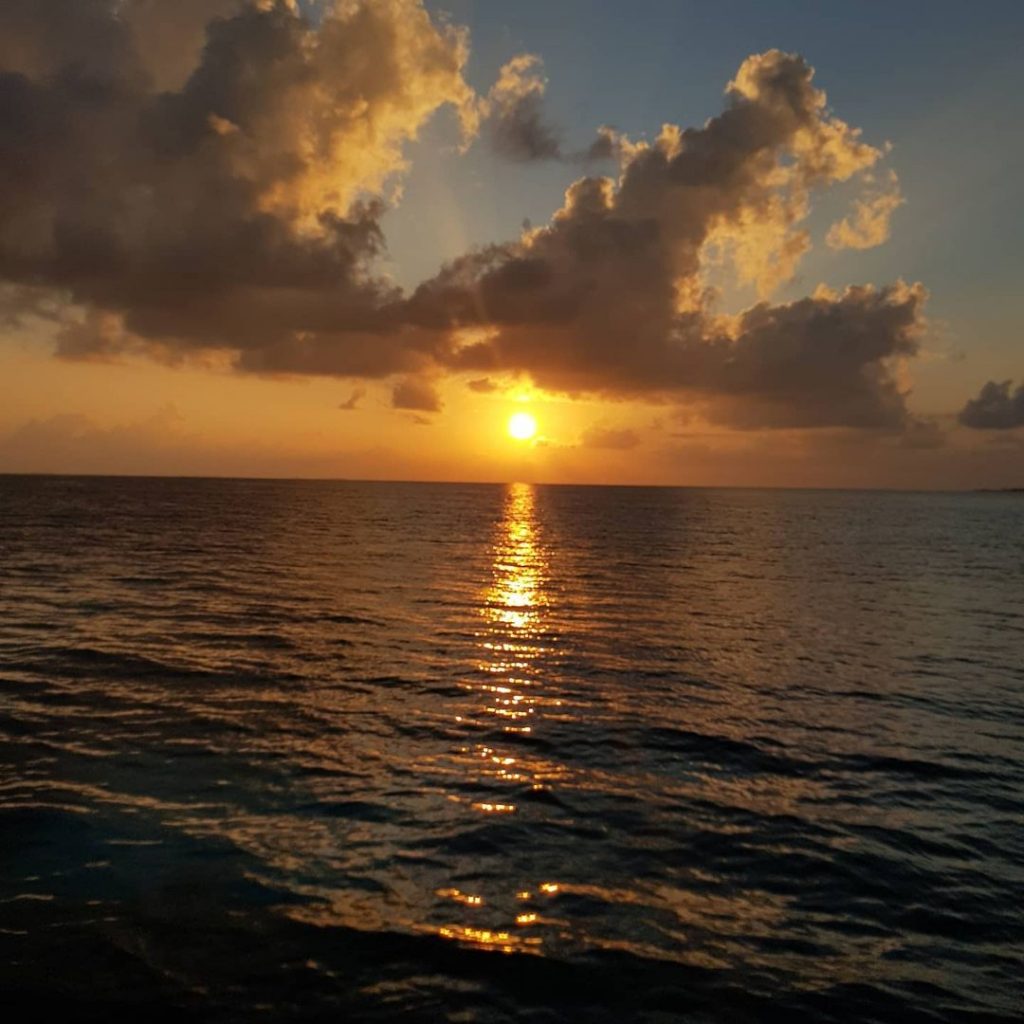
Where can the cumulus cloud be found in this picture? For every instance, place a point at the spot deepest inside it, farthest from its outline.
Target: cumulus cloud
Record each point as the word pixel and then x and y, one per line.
pixel 996 407
pixel 233 203
pixel 224 194
pixel 169 37
pixel 515 113
pixel 868 225
pixel 610 296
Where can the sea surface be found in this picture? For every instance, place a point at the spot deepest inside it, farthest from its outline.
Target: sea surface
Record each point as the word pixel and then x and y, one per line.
pixel 288 751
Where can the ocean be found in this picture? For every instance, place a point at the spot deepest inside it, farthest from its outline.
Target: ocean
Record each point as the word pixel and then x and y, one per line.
pixel 290 751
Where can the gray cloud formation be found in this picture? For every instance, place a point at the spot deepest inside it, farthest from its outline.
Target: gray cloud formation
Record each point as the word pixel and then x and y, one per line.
pixel 225 194
pixel 996 407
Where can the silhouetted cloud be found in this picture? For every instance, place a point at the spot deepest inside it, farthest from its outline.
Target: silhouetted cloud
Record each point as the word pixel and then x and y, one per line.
pixel 416 393
pixel 607 145
pixel 515 114
pixel 997 407
pixel 482 385
pixel 609 297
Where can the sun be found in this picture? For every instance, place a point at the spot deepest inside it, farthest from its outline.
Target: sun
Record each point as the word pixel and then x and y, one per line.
pixel 522 426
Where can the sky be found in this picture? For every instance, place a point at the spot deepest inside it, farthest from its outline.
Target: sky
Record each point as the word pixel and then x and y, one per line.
pixel 729 244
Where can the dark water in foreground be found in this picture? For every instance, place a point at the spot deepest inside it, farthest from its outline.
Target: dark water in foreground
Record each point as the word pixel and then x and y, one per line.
pixel 336 751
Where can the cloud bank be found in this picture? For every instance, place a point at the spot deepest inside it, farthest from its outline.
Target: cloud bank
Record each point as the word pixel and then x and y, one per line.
pixel 610 297
pixel 210 176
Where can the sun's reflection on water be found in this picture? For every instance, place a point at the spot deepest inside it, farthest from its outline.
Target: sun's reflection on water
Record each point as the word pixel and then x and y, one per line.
pixel 512 638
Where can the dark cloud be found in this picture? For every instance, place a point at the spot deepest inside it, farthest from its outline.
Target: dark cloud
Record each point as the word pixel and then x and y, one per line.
pixel 609 297
pixel 21 304
pixel 229 211
pixel 482 385
pixel 224 194
pixel 517 124
pixel 997 407
pixel 515 113
pixel 417 394
pixel 607 145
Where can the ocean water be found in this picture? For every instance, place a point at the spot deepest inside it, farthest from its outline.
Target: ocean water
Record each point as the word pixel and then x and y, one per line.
pixel 292 751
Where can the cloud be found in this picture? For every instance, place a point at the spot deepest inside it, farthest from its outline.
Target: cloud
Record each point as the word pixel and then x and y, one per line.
pixel 924 434
pixel 71 442
pixel 353 400
pixel 869 224
pixel 608 145
pixel 482 385
pixel 617 439
pixel 997 407
pixel 224 195
pixel 610 298
pixel 416 393
pixel 515 115
pixel 21 304
pixel 237 210
pixel 169 38
pixel 517 126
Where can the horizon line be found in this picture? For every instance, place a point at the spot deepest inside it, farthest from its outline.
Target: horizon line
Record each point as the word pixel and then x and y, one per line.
pixel 503 483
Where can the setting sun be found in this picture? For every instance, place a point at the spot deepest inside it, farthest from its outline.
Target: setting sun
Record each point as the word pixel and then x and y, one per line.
pixel 522 426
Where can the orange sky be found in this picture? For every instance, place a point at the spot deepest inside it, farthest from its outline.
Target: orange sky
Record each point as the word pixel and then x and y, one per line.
pixel 271 333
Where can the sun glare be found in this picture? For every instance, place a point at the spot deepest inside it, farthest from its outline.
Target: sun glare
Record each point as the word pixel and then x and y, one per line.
pixel 522 426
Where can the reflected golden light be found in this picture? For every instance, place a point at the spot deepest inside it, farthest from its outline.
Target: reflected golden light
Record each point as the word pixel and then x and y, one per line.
pixel 507 689
pixel 483 938
pixel 490 808
pixel 461 897
pixel 522 426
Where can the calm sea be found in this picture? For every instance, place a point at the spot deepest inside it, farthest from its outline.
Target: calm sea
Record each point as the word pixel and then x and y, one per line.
pixel 276 751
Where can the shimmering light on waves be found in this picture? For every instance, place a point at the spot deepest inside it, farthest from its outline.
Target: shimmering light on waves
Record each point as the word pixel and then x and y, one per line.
pixel 496 941
pixel 391 748
pixel 512 610
pixel 461 897
pixel 491 808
